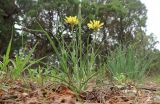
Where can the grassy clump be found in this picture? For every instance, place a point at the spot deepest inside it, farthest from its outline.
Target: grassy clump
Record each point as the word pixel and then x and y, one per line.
pixel 129 63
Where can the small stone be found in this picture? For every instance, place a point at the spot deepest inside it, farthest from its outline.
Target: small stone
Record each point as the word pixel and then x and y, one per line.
pixel 24 94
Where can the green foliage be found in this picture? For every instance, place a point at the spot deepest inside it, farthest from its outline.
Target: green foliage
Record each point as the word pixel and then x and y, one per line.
pixel 129 62
pixel 23 62
pixel 6 58
pixel 39 75
pixel 120 78
pixel 117 6
pixel 74 70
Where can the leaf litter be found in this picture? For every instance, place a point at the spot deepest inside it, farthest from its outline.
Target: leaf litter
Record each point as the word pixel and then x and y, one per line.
pixel 17 92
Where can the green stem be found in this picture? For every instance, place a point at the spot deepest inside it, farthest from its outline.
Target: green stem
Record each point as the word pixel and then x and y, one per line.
pixel 72 26
pixel 80 29
pixel 79 37
pixel 94 44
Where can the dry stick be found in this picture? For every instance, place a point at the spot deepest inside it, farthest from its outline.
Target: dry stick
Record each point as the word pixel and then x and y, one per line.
pixel 150 89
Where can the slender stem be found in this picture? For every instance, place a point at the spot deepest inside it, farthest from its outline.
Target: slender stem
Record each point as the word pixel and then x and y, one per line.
pixel 80 28
pixel 79 38
pixel 22 41
pixel 72 26
pixel 80 17
pixel 94 44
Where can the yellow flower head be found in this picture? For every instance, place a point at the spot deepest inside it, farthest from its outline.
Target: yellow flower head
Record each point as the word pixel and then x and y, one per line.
pixel 72 20
pixel 95 25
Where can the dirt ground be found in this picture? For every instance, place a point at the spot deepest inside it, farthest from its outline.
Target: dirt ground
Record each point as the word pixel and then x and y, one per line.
pixel 16 92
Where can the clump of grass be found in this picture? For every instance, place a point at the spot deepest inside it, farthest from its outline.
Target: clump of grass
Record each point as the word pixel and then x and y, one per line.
pixel 129 62
pixel 15 67
pixel 75 68
pixel 23 62
pixel 4 65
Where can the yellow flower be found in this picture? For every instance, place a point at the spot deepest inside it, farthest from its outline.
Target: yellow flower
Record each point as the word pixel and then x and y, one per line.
pixel 95 25
pixel 72 20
